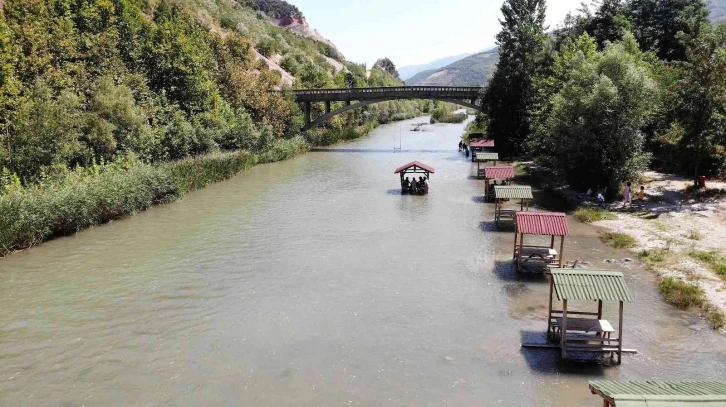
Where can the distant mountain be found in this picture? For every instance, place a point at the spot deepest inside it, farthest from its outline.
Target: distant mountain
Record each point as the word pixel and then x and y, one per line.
pixel 473 70
pixel 411 70
pixel 718 10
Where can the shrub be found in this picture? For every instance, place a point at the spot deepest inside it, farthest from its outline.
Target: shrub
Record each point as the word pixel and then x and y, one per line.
pixel 653 257
pixel 619 240
pixel 680 293
pixel 715 317
pixel 714 261
pixel 589 215
pixel 284 149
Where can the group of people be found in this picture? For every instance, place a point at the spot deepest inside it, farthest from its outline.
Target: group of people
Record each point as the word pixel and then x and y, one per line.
pixel 464 147
pixel 492 185
pixel 627 194
pixel 415 186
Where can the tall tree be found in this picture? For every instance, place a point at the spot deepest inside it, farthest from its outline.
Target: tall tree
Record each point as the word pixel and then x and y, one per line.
pixel 511 96
pixel 656 24
pixel 609 23
pixel 701 96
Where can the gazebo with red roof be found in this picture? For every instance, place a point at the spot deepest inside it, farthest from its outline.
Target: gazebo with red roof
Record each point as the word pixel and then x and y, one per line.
pixel 539 224
pixel 414 167
pixel 491 174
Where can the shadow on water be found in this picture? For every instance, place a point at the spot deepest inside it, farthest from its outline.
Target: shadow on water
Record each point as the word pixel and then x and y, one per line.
pixel 549 360
pixel 507 271
pixel 396 192
pixel 479 199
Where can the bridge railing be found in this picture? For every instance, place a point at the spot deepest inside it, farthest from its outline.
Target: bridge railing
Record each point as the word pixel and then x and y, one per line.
pixel 410 89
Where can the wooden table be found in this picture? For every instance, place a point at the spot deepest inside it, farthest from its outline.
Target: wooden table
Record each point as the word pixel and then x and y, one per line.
pixel 543 253
pixel 587 325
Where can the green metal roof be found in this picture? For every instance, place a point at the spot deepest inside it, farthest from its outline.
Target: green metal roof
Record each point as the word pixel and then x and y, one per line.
pixel 486 157
pixel 574 284
pixel 512 192
pixel 661 394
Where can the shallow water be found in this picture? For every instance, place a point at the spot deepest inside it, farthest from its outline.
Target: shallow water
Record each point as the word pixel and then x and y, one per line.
pixel 314 282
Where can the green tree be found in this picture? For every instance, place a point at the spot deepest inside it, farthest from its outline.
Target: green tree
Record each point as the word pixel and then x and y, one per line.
pixel 388 66
pixel 701 96
pixel 511 96
pixel 656 24
pixel 593 136
pixel 609 23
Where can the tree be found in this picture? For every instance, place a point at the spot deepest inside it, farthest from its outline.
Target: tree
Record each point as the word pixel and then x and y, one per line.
pixel 510 98
pixel 701 95
pixel 593 135
pixel 609 23
pixel 388 66
pixel 656 24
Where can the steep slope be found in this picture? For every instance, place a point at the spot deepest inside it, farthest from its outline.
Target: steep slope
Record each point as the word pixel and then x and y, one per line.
pixel 718 10
pixel 409 71
pixel 474 70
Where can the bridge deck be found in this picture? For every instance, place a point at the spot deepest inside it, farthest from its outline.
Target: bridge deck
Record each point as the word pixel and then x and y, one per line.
pixel 387 93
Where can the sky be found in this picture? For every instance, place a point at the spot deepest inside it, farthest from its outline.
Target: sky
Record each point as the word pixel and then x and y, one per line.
pixel 411 32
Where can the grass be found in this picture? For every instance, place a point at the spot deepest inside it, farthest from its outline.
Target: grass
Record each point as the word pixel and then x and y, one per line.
pixel 713 260
pixel 589 215
pixel 660 225
pixel 695 235
pixel 680 293
pixel 715 317
pixel 619 240
pixel 41 212
pixel 654 257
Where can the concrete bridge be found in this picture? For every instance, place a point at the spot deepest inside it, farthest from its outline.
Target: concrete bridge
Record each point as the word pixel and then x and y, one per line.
pixel 359 97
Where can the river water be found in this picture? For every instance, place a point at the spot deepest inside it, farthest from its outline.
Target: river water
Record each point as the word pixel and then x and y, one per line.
pixel 313 282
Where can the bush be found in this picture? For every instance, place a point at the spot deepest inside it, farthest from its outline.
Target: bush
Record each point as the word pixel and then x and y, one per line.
pixel 681 294
pixel 452 118
pixel 653 257
pixel 619 240
pixel 284 149
pixel 589 215
pixel 715 317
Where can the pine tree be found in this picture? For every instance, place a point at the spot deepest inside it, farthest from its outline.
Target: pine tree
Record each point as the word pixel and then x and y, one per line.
pixel 511 96
pixel 609 23
pixel 656 24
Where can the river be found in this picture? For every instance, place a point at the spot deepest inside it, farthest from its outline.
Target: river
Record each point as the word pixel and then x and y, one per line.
pixel 313 282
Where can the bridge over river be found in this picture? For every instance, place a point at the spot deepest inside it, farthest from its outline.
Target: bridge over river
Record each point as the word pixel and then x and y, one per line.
pixel 358 97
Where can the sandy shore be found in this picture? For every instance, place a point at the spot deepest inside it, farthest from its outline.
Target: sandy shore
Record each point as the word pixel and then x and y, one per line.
pixel 672 220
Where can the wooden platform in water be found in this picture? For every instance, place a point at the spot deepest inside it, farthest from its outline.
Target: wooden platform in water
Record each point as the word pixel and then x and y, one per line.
pixel 573 349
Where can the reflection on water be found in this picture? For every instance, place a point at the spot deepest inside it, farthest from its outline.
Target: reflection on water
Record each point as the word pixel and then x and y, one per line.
pixel 314 282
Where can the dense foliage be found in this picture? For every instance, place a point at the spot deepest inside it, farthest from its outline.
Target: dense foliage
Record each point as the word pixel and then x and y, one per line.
pixel 510 97
pixel 388 66
pixel 635 83
pixel 275 8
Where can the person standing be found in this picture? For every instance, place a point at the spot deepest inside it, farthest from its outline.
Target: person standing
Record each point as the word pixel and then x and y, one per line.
pixel 627 195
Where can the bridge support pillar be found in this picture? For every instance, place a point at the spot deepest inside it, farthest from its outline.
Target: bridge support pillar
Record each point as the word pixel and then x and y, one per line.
pixel 327 106
pixel 306 110
pixel 347 102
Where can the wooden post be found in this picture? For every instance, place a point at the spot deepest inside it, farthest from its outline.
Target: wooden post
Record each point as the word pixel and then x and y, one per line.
pixel 549 310
pixel 519 255
pixel 521 205
pixel 563 331
pixel 620 334
pixel 514 252
pixel 599 309
pixel 562 248
pixel 552 242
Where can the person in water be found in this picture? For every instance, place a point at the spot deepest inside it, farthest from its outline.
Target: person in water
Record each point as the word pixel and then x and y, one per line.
pixel 627 195
pixel 406 183
pixel 460 143
pixel 641 193
pixel 414 186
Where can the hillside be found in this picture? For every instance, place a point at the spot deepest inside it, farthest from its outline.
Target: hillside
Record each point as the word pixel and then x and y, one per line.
pixel 474 70
pixel 409 71
pixel 718 10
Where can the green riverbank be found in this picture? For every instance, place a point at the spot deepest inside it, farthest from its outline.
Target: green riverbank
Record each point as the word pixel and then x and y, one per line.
pixel 101 194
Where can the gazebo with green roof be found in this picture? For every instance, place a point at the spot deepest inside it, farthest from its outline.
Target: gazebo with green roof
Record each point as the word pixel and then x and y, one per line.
pixel 503 193
pixel 587 332
pixel 659 393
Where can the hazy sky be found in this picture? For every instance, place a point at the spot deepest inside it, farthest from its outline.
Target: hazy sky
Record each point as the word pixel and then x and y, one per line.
pixel 412 31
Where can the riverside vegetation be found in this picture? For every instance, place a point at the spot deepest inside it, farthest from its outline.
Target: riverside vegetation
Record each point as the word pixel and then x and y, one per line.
pixel 110 106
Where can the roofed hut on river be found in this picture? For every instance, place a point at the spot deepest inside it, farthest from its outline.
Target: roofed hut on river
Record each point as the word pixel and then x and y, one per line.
pixel 505 193
pixel 494 174
pixel 659 393
pixel 481 145
pixel 586 331
pixel 539 224
pixel 413 186
pixel 483 158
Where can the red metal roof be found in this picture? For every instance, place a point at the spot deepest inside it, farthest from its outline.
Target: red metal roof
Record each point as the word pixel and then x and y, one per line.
pixel 481 143
pixel 502 172
pixel 414 164
pixel 542 223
